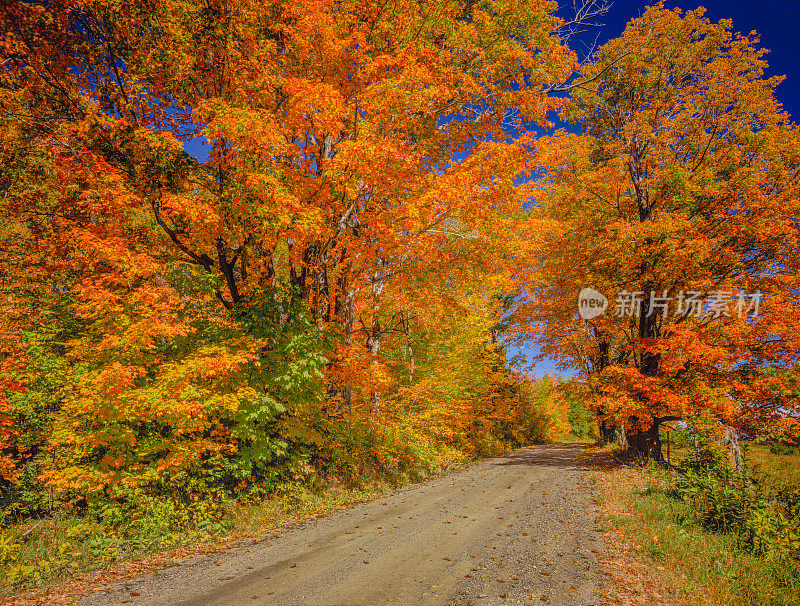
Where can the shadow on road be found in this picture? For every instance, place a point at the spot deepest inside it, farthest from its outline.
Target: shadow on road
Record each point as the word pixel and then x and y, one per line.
pixel 547 455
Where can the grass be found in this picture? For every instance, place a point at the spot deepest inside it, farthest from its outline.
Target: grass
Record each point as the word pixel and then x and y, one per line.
pixel 44 554
pixel 698 565
pixel 772 468
pixel 708 564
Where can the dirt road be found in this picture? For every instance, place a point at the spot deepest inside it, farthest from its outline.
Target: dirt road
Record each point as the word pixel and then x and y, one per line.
pixel 517 529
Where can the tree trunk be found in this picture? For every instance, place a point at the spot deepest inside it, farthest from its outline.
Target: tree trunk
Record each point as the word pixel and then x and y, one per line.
pixel 374 342
pixel 345 311
pixel 409 351
pixel 620 436
pixel 646 442
pixel 608 431
pixel 375 348
pixel 734 452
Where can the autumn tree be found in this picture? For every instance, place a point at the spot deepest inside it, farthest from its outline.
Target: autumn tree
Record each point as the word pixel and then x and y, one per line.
pixel 350 144
pixel 677 199
pixel 333 127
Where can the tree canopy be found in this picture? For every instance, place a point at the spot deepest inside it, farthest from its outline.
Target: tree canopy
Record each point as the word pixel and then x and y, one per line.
pixel 677 199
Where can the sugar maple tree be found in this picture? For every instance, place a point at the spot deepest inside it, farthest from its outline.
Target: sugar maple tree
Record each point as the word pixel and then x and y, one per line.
pixel 683 177
pixel 350 144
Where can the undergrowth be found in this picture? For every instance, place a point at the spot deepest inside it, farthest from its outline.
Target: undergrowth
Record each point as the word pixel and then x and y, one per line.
pixel 723 536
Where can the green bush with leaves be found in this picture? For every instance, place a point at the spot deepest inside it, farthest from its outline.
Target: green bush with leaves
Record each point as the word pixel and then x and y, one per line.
pixel 727 500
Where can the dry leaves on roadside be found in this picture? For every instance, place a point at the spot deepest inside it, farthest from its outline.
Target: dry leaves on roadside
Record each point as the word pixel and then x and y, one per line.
pixel 630 579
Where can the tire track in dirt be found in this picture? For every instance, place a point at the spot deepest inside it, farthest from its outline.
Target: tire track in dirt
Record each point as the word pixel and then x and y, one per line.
pixel 517 529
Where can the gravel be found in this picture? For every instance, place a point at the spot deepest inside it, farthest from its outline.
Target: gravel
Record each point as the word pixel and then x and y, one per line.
pixel 517 529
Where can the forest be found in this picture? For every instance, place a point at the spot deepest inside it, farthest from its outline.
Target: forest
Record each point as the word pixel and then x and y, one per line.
pixel 256 245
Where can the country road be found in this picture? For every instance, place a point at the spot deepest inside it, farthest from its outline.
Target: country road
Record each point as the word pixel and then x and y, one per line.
pixel 517 529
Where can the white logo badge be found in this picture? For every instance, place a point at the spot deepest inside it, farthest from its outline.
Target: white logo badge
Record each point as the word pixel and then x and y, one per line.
pixel 591 303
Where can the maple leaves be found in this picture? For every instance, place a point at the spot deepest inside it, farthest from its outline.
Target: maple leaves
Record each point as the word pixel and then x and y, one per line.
pixel 674 185
pixel 330 179
pixel 9 381
pixel 358 192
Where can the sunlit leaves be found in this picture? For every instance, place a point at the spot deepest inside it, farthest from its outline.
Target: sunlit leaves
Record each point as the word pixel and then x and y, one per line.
pixel 684 177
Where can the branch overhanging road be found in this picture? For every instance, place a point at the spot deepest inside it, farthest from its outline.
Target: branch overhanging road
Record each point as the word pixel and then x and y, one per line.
pixel 516 529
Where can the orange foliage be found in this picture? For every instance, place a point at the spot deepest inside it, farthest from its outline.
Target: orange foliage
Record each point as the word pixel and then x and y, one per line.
pixel 683 178
pixel 355 152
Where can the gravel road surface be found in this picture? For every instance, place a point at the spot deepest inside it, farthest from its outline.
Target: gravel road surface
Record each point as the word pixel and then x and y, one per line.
pixel 517 529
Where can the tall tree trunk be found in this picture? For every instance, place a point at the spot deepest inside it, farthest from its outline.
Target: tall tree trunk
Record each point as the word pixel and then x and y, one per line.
pixel 345 312
pixel 608 431
pixel 645 441
pixel 408 354
pixel 374 342
pixel 620 436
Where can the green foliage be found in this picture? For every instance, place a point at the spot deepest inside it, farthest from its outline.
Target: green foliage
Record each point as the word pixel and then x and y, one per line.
pixel 288 378
pixel 704 560
pixel 294 359
pixel 581 420
pixel 783 448
pixel 46 373
pixel 722 501
pixel 768 531
pixel 728 501
pixel 680 437
pixel 146 521
pixel 19 571
pixel 760 514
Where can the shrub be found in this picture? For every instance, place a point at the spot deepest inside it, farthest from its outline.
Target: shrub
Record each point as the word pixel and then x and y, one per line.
pixel 764 520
